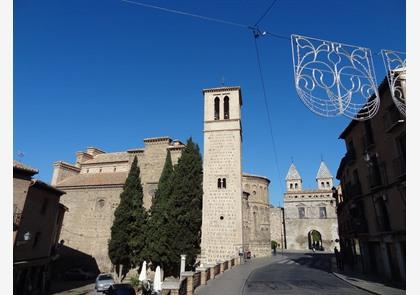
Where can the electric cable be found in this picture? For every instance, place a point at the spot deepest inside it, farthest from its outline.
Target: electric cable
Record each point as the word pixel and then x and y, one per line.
pixel 187 14
pixel 265 13
pixel 266 105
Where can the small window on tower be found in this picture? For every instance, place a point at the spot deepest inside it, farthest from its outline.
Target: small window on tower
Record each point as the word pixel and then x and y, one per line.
pixel 219 183
pixel 322 184
pixel 296 185
pixel 328 184
pixel 291 185
pixel 217 108
pixel 224 183
pixel 226 107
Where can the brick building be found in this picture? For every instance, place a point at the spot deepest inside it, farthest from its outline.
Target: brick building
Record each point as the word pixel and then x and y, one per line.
pixel 37 220
pixel 371 206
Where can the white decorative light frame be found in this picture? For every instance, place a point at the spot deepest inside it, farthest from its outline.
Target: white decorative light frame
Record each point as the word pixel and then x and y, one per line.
pixel 335 79
pixel 394 62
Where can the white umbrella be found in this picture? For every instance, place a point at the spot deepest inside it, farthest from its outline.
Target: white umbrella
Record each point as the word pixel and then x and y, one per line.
pixel 157 283
pixel 143 276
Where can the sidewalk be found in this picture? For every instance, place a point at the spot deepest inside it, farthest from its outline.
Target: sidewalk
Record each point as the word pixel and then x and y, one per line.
pixel 365 282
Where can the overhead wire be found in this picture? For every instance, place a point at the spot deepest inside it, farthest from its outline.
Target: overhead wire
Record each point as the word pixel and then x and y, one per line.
pixel 187 13
pixel 265 13
pixel 273 142
pixel 213 19
pixel 256 33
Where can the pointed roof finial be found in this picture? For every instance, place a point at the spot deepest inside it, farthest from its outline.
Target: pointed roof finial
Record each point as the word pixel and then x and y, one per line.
pixel 323 171
pixel 293 174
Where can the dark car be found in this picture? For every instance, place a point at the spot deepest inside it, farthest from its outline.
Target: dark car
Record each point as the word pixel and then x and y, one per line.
pixel 121 289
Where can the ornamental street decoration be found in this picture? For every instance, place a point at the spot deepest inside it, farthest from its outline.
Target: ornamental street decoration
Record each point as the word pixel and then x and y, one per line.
pixel 395 66
pixel 335 79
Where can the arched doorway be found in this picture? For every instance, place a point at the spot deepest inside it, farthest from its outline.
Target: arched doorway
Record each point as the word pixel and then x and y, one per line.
pixel 315 240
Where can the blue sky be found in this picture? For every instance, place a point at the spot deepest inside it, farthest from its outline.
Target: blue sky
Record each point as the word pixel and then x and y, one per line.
pixel 106 73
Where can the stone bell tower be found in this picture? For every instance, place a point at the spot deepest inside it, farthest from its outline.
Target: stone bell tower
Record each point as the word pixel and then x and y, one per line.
pixel 222 235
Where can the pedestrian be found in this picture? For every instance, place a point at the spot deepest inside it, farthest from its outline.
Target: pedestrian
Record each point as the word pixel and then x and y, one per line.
pixel 337 257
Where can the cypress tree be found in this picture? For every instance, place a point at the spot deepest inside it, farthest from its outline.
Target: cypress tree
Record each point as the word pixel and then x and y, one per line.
pixel 127 231
pixel 158 250
pixel 185 205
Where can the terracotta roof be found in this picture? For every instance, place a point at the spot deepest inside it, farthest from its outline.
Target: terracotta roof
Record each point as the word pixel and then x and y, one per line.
pixel 108 157
pixel 293 174
pixel 323 171
pixel 23 167
pixel 88 179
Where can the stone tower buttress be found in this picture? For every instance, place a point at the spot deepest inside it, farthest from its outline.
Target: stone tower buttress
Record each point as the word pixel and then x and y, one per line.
pixel 222 233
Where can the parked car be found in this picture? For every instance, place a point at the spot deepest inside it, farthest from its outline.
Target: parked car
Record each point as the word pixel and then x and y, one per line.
pixel 103 282
pixel 78 274
pixel 121 289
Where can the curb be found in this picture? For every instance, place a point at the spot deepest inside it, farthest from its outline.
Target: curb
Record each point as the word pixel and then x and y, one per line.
pixel 361 288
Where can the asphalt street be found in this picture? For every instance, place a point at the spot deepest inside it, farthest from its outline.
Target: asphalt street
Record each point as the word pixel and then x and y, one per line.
pixel 297 273
pixel 291 273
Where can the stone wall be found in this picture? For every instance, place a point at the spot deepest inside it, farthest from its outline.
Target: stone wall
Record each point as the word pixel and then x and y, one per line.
pixel 93 192
pixel 87 226
pixel 277 226
pixel 298 227
pixel 222 205
pixel 256 215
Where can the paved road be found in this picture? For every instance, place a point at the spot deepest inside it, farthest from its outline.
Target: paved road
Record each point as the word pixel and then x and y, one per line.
pixel 300 273
pixel 88 289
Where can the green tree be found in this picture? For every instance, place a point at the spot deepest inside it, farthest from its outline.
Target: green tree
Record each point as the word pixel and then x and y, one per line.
pixel 158 245
pixel 184 207
pixel 126 245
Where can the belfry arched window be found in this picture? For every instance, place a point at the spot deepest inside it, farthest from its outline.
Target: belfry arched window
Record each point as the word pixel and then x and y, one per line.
pixel 219 183
pixel 226 107
pixel 217 108
pixel 224 182
pixel 291 185
pixel 296 185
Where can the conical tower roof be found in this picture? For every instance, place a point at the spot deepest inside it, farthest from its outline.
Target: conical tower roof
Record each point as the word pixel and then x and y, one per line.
pixel 323 171
pixel 293 174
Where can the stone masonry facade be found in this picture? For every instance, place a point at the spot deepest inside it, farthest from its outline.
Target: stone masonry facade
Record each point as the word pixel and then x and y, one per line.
pixel 310 211
pixel 236 211
pixel 222 232
pixel 256 215
pixel 93 186
pixel 277 226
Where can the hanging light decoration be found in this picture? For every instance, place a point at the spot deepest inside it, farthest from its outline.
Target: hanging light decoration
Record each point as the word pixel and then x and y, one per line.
pixel 395 66
pixel 335 79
